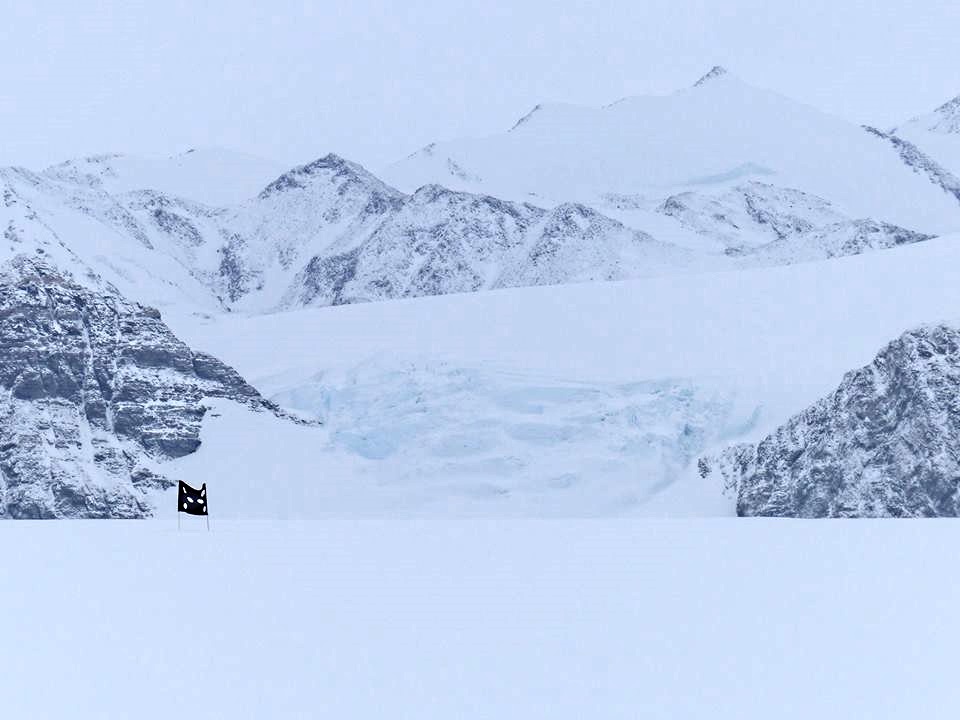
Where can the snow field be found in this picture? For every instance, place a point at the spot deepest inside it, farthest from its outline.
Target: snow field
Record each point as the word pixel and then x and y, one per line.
pixel 480 618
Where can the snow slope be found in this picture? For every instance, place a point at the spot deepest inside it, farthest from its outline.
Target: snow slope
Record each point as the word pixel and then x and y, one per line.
pixel 517 620
pixel 571 400
pixel 212 176
pixel 89 232
pixel 719 132
pixel 937 133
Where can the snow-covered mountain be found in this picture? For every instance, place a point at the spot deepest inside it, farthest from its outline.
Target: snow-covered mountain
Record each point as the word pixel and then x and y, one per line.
pixel 323 207
pixel 717 176
pixel 148 245
pixel 945 119
pixel 97 394
pixel 937 134
pixel 212 176
pixel 762 223
pixel 324 233
pixel 719 132
pixel 330 232
pixel 883 444
pixel 440 242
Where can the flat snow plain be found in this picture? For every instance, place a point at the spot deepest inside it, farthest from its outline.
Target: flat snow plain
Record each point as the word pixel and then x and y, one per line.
pixel 506 619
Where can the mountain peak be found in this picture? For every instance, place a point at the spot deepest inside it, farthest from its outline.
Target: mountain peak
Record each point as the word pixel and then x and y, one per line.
pixel 717 71
pixel 945 119
pixel 951 106
pixel 432 192
pixel 329 165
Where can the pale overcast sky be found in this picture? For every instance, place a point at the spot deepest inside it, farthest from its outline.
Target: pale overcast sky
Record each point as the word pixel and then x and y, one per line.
pixel 374 80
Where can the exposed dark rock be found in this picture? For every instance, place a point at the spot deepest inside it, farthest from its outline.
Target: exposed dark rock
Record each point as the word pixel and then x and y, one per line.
pixel 97 390
pixel 886 443
pixel 797 226
pixel 715 72
pixel 921 163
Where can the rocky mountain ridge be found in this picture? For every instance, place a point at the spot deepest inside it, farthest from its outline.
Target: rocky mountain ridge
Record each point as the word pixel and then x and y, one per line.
pixel 97 394
pixel 921 163
pixel 330 232
pixel 945 119
pixel 761 223
pixel 886 443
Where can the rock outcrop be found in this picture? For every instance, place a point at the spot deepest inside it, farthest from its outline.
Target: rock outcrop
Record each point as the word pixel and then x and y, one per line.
pixel 886 443
pixel 95 392
pixel 921 163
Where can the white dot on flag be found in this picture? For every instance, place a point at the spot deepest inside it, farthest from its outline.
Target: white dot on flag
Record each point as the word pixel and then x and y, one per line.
pixel 189 499
pixel 203 493
pixel 200 501
pixel 184 506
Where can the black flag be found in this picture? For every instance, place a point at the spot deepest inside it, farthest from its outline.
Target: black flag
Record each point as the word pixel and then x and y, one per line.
pixel 192 501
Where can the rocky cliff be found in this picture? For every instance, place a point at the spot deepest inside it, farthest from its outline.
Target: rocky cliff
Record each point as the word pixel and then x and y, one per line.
pixel 886 443
pixel 95 392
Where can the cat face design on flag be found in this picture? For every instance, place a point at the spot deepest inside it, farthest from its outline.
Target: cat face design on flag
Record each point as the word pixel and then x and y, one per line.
pixel 192 501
